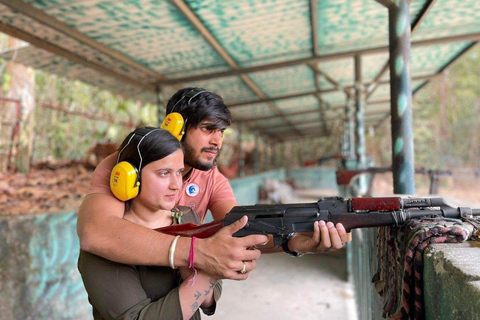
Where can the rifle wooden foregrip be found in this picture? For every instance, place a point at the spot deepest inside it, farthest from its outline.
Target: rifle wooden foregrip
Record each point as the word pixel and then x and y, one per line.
pixel 377 204
pixel 192 230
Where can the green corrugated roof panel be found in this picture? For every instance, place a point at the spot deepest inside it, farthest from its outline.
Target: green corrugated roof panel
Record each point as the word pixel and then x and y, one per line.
pixel 335 98
pixel 252 111
pixel 342 70
pixel 450 18
pixel 298 119
pixel 150 32
pixel 258 30
pixel 297 104
pixel 429 60
pixel 274 122
pixel 354 24
pixel 232 89
pixel 294 80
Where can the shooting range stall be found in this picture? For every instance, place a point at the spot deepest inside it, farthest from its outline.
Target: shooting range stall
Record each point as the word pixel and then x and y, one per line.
pixel 289 70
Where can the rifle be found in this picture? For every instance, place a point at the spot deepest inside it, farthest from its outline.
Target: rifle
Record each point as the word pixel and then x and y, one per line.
pixel 281 219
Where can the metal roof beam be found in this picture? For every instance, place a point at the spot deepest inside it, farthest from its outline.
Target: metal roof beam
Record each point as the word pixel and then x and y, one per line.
pixel 210 38
pixel 41 43
pixel 40 16
pixel 386 3
pixel 314 26
pixel 315 133
pixel 330 107
pixel 416 23
pixel 310 93
pixel 332 81
pixel 311 121
pixel 288 96
pixel 323 57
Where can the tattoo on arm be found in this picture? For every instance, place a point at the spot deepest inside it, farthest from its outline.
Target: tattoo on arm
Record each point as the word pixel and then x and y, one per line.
pixel 211 285
pixel 194 306
pixel 207 292
pixel 197 295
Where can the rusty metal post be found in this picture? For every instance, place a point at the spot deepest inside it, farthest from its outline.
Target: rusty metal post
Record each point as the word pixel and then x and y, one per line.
pixel 241 164
pixel 401 97
pixel 359 113
pixel 256 155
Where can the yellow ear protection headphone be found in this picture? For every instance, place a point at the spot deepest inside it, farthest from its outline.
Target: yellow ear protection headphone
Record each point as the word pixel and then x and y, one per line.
pixel 174 122
pixel 125 177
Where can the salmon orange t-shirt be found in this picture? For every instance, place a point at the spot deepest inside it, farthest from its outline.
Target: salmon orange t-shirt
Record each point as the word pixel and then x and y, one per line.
pixel 201 191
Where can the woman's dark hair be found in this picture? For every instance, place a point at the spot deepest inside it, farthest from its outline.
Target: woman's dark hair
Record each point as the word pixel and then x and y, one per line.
pixel 197 104
pixel 155 144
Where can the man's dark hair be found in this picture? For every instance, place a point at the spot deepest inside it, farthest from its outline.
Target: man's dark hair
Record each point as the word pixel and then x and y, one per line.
pixel 155 146
pixel 197 104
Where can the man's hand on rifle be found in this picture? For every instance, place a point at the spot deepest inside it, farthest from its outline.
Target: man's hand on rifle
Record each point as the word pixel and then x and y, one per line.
pixel 325 237
pixel 223 256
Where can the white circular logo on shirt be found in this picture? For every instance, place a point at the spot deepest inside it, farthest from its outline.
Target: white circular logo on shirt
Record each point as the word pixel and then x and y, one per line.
pixel 192 189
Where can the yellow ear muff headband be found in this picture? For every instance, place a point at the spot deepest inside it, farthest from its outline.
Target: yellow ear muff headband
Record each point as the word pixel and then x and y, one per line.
pixel 174 122
pixel 125 177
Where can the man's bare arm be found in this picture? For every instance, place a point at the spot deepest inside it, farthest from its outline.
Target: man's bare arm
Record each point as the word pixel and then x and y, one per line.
pixel 103 231
pixel 221 210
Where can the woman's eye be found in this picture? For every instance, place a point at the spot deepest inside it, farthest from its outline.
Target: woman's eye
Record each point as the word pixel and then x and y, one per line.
pixel 163 173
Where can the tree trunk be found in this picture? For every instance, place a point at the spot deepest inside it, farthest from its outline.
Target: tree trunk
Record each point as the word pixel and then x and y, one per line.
pixel 22 87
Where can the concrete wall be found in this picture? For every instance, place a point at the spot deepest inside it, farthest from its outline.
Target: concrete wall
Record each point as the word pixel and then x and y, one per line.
pixel 246 189
pixel 38 268
pixel 452 281
pixel 314 177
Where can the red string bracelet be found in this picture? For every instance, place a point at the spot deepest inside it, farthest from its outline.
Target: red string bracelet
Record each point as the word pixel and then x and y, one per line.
pixel 191 262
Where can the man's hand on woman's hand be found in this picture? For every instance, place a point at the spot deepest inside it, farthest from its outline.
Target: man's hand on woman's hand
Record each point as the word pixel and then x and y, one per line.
pixel 223 256
pixel 325 237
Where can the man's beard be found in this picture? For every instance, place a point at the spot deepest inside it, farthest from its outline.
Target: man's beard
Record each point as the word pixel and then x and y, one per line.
pixel 195 162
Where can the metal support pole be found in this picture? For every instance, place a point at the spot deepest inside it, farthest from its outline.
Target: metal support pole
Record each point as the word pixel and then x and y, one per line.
pixel 360 124
pixel 401 99
pixel 350 132
pixel 241 163
pixel 161 102
pixel 282 155
pixel 256 155
pixel 272 156
pixel 359 113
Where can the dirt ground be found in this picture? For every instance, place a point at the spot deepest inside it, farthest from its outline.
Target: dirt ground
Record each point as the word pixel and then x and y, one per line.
pixel 464 188
pixel 61 187
pixel 48 189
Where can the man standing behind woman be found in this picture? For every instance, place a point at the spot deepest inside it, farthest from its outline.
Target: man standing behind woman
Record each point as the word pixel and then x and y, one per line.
pixel 103 231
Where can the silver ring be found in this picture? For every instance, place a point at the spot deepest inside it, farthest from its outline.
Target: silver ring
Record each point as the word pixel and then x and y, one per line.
pixel 244 269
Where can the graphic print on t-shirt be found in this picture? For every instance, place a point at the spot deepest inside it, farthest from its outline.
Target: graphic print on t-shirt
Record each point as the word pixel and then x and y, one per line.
pixel 192 189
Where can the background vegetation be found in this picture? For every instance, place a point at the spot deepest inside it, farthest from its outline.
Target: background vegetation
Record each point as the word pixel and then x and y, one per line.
pixel 446 120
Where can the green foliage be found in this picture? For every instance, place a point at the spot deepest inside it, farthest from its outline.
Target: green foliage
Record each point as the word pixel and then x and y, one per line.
pixel 92 116
pixel 446 120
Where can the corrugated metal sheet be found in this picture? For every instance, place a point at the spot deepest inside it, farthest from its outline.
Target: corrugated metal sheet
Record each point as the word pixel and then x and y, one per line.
pixel 158 43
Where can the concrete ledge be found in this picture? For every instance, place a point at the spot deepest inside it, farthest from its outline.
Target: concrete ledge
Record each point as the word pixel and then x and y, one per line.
pixel 452 281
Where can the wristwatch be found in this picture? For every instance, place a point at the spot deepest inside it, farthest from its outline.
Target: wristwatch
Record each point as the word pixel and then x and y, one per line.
pixel 285 246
